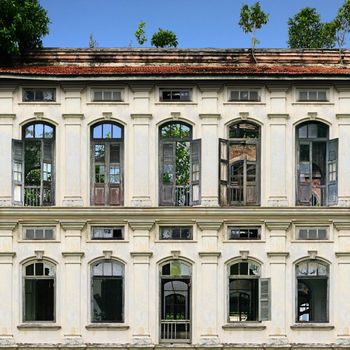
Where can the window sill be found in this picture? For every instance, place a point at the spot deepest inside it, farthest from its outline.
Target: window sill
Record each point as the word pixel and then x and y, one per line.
pixel 254 326
pixel 175 241
pixel 310 326
pixel 38 241
pixel 327 103
pixel 39 103
pixel 243 241
pixel 244 103
pixel 107 241
pixel 113 326
pixel 50 326
pixel 176 102
pixel 108 103
pixel 311 241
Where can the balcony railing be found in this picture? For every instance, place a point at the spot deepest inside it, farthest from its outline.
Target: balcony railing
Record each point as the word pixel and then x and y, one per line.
pixel 175 330
pixel 35 196
pixel 182 195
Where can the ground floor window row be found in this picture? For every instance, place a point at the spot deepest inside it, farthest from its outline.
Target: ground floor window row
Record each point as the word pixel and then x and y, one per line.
pixel 248 293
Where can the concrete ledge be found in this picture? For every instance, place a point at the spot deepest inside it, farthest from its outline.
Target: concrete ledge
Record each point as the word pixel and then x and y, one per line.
pixel 112 326
pixel 41 326
pixel 253 326
pixel 311 326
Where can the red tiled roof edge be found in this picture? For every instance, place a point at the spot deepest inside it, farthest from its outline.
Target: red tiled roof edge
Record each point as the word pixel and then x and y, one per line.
pixel 174 70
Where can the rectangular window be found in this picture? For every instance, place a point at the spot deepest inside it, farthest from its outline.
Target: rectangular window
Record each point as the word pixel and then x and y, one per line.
pixel 312 95
pixel 244 95
pixel 176 233
pixel 112 233
pixel 177 95
pixel 39 95
pixel 243 233
pixel 106 95
pixel 44 233
pixel 310 233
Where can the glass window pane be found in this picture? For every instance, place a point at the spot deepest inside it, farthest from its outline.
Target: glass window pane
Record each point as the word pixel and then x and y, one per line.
pixel 117 132
pixel 322 233
pixel 254 96
pixel 28 95
pixel 302 234
pixel 235 95
pixel 322 96
pixel 302 95
pixel 99 153
pixel 114 154
pixel 48 132
pixel 243 268
pixel 29 234
pixel 97 132
pixel 39 233
pixel 39 131
pixel 312 130
pixel 107 131
pixel 303 131
pixel 304 153
pixel 117 269
pixel 39 269
pixel 49 234
pixel 244 95
pixel 98 269
pixel 30 270
pixel 97 95
pixel 107 95
pixel 29 132
pixel 107 269
pixel 234 270
pixel 39 95
pixel 312 95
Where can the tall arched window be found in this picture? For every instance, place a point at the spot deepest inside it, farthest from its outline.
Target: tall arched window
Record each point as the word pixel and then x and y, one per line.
pixel 240 165
pixel 107 291
pixel 33 165
pixel 180 163
pixel 39 291
pixel 312 291
pixel 317 165
pixel 249 295
pixel 175 323
pixel 107 141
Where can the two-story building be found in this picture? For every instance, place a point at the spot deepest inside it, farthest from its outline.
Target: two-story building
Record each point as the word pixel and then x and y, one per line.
pixel 161 198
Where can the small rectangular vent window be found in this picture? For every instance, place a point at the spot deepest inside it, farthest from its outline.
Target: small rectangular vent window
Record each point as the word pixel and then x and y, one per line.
pixel 107 95
pixel 177 95
pixel 312 95
pixel 241 233
pixel 39 233
pixel 245 95
pixel 112 233
pixel 176 233
pixel 39 95
pixel 312 233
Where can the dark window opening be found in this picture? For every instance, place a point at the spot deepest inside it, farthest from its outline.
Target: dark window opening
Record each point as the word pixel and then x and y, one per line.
pixel 107 292
pixel 312 233
pixel 175 95
pixel 39 95
pixel 312 95
pixel 177 232
pixel 243 233
pixel 112 233
pixel 107 95
pixel 245 95
pixel 39 233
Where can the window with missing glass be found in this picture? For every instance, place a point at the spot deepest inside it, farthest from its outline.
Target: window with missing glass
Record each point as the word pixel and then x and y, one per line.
pixel 110 232
pixel 39 95
pixel 312 95
pixel 106 95
pixel 249 233
pixel 176 233
pixel 38 233
pixel 176 95
pixel 246 95
pixel 310 233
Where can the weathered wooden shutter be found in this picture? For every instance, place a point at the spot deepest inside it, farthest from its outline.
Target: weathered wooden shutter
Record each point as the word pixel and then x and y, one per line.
pixel 223 171
pixel 265 299
pixel 17 171
pixel 167 173
pixel 115 187
pixel 332 172
pixel 304 171
pixel 195 172
pixel 47 173
pixel 97 189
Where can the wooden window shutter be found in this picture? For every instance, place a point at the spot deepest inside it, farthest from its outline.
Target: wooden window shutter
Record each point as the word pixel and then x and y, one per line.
pixel 114 186
pixel 195 178
pixel 48 173
pixel 332 172
pixel 167 173
pixel 223 171
pixel 265 299
pixel 17 171
pixel 304 169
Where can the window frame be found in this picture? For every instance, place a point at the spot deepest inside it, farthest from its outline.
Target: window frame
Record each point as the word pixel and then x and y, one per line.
pixel 42 89
pixel 312 90
pixel 232 226
pixel 183 226
pixel 243 89
pixel 93 90
pixel 172 90
pixel 308 227
pixel 39 227
pixel 327 277
pixel 55 297
pixel 122 227
pixel 90 299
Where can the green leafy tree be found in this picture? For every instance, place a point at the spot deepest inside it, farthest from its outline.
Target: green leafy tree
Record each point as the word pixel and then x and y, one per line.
pixel 140 33
pixel 164 38
pixel 305 30
pixel 92 42
pixel 23 23
pixel 341 25
pixel 251 19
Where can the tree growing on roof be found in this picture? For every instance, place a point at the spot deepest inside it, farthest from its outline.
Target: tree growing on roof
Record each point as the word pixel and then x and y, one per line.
pixel 92 42
pixel 164 38
pixel 140 33
pixel 251 19
pixel 23 23
pixel 305 30
pixel 341 25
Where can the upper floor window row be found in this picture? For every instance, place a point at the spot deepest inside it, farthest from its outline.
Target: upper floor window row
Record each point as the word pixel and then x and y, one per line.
pixel 313 95
pixel 39 95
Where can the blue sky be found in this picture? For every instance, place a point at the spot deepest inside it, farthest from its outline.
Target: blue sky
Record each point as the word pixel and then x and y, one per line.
pixel 197 23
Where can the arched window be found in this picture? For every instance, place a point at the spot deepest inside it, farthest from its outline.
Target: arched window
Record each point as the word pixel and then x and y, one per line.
pixel 107 141
pixel 39 291
pixel 107 291
pixel 175 324
pixel 179 170
pixel 312 288
pixel 317 165
pixel 249 296
pixel 33 165
pixel 240 165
